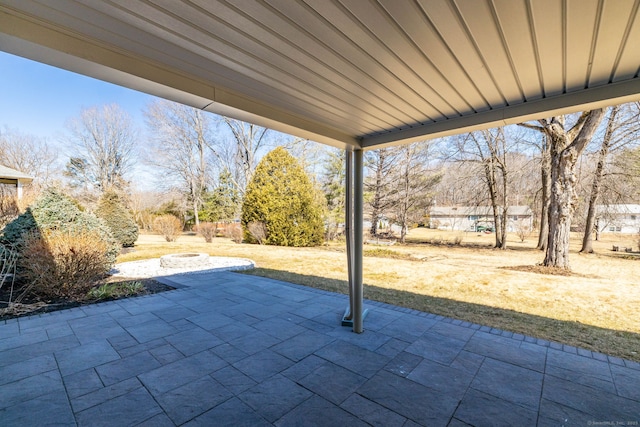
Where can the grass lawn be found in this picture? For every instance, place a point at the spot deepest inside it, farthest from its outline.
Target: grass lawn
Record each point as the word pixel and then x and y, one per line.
pixel 595 308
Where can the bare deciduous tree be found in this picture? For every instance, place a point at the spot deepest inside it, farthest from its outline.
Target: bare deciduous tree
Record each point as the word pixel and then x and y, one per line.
pixel 622 128
pixel 181 136
pixel 566 145
pixel 241 157
pixel 489 149
pixel 414 184
pixel 105 140
pixel 379 184
pixel 29 154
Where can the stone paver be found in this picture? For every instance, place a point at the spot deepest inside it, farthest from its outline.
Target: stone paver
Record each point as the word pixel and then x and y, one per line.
pixel 230 349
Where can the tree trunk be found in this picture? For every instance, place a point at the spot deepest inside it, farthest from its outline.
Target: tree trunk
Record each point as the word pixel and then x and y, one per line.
pixel 490 175
pixel 587 243
pixel 376 203
pixel 565 149
pixel 543 236
pixel 561 207
pixel 505 207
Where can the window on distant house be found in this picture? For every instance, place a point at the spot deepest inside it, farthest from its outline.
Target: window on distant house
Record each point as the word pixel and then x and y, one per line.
pixel 633 217
pixel 473 217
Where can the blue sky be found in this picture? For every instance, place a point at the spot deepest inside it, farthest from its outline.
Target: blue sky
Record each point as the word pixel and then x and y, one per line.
pixel 38 99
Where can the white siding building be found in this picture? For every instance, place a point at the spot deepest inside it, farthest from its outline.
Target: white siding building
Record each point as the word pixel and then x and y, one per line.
pixel 469 218
pixel 14 178
pixel 618 218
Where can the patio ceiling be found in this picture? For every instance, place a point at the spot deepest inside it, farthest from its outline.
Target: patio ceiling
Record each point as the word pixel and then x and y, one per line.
pixel 347 72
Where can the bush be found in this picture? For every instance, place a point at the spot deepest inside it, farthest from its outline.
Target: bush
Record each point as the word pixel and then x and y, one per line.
pixel 119 220
pixel 54 211
pixel 168 226
pixel 9 210
pixel 257 230
pixel 207 230
pixel 281 196
pixel 65 264
pixel 234 232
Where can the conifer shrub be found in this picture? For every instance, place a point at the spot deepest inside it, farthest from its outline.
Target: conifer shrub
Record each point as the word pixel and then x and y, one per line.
pixel 169 226
pixel 118 218
pixel 61 249
pixel 63 264
pixel 53 210
pixel 281 196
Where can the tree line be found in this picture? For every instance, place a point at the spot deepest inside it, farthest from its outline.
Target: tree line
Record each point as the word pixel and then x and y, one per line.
pixel 199 166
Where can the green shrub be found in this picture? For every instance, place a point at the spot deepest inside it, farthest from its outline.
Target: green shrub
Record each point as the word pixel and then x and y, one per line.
pixel 282 197
pixel 168 226
pixel 54 211
pixel 115 290
pixel 118 218
pixel 57 263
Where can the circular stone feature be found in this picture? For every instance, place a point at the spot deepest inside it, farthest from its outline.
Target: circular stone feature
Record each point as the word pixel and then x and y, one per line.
pixel 187 260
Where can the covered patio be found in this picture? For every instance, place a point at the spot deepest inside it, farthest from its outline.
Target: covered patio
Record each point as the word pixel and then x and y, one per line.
pixel 359 75
pixel 228 349
pixel 353 74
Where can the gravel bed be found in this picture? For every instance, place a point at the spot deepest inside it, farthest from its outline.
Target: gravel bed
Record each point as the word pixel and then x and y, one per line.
pixel 152 268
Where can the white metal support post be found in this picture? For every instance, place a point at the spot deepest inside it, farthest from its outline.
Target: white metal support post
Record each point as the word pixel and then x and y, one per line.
pixel 348 228
pixel 358 201
pixel 354 199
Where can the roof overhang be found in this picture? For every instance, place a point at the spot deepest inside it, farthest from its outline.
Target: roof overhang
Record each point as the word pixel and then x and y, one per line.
pixel 13 177
pixel 349 73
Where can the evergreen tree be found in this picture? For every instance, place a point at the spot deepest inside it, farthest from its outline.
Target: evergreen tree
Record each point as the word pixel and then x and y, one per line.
pixel 281 197
pixel 118 218
pixel 222 203
pixel 333 185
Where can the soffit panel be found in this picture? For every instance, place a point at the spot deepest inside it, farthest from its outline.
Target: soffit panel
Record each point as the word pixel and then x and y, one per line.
pixel 488 41
pixel 628 66
pixel 548 24
pixel 369 70
pixel 611 37
pixel 200 52
pixel 581 15
pixel 513 18
pixel 446 18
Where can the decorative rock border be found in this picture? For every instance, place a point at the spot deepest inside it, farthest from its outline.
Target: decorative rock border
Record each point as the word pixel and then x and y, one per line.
pixel 184 260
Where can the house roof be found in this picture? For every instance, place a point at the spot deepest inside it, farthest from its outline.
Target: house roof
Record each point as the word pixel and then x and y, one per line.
pixel 483 211
pixel 7 173
pixel 618 209
pixel 350 73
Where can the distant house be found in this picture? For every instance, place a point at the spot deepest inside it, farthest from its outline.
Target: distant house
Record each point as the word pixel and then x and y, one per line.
pixel 474 218
pixel 618 218
pixel 15 178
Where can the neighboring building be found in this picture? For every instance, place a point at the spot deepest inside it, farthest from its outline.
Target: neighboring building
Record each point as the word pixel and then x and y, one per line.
pixel 618 218
pixel 472 218
pixel 15 178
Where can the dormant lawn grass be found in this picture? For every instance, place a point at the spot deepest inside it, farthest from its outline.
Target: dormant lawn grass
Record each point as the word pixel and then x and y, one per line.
pixel 596 307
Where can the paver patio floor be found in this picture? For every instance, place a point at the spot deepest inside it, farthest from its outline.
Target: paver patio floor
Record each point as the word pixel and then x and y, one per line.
pixel 231 349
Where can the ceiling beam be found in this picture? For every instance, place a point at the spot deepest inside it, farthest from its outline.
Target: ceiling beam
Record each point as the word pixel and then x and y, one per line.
pixel 582 100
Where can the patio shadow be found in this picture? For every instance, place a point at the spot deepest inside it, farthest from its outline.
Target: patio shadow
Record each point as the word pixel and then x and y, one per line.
pixel 618 343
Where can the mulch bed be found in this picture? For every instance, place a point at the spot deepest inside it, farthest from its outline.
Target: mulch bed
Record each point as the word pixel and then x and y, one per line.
pixel 541 269
pixel 31 305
